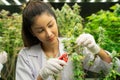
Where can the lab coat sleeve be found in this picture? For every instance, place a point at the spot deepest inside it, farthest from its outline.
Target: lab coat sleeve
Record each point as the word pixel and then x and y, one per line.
pixel 109 65
pixel 98 64
pixel 23 69
pixel 1 66
pixel 118 65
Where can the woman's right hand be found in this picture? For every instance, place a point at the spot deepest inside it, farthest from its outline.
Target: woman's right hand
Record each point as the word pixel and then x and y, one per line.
pixel 53 66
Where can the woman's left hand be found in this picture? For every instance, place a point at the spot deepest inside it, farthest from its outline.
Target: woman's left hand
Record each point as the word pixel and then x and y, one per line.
pixel 87 40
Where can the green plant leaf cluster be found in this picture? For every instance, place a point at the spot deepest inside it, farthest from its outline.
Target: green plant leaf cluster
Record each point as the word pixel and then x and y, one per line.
pixel 70 26
pixel 105 26
pixel 69 21
pixel 75 53
pixel 10 41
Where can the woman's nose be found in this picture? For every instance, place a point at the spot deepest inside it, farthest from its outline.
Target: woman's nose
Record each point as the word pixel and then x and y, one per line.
pixel 48 32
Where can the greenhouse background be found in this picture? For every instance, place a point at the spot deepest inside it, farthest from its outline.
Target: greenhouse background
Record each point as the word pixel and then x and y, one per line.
pixel 88 6
pixel 98 17
pixel 19 2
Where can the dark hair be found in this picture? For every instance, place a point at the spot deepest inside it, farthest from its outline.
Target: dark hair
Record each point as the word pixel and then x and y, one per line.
pixel 32 9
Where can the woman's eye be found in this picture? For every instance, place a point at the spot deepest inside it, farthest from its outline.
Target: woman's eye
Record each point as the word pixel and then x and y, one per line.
pixel 50 26
pixel 41 30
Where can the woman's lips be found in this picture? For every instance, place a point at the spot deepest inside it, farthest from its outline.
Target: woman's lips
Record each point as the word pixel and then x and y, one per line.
pixel 51 39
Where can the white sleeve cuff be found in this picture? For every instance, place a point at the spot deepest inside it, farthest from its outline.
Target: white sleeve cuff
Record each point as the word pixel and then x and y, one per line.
pixel 1 66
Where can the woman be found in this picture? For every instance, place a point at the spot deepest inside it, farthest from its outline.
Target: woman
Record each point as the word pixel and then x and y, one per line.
pixel 39 59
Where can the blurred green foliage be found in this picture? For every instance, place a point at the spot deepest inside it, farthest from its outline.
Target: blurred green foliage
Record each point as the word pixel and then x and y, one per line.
pixel 69 20
pixel 105 26
pixel 10 41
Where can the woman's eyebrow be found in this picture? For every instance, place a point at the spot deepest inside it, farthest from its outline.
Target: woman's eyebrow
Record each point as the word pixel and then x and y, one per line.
pixel 49 22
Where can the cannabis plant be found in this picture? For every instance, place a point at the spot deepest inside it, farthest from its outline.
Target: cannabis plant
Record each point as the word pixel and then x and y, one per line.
pixel 70 26
pixel 10 41
pixel 105 27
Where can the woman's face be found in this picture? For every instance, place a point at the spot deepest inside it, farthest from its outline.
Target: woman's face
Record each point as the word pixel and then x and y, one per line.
pixel 45 29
